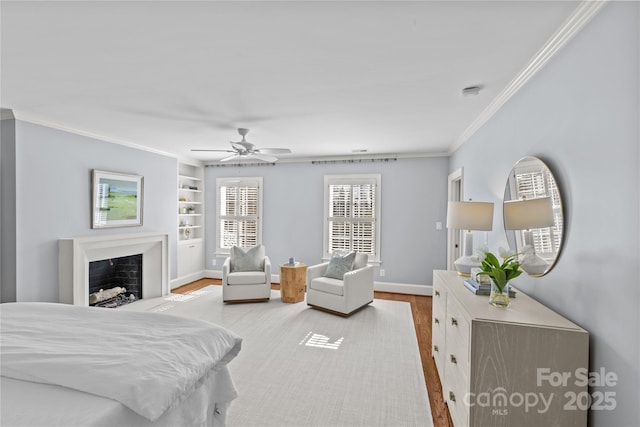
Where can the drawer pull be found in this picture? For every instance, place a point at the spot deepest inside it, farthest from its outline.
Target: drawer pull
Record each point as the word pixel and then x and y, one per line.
pixel 453 359
pixel 454 321
pixel 452 397
pixel 437 293
pixel 436 320
pixel 435 348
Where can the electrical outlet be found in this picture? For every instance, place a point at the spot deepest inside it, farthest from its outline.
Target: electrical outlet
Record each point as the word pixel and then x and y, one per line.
pixel 439 225
pixel 214 261
pixel 382 272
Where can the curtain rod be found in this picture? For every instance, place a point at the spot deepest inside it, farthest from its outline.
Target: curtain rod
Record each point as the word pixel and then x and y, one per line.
pixel 236 165
pixel 322 162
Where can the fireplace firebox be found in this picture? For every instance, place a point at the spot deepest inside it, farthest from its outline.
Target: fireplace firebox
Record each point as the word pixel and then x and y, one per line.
pixel 115 281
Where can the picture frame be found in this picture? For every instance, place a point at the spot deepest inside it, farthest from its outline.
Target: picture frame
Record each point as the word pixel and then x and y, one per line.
pixel 118 199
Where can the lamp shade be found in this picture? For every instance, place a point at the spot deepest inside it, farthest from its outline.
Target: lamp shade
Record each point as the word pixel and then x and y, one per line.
pixel 527 214
pixel 470 215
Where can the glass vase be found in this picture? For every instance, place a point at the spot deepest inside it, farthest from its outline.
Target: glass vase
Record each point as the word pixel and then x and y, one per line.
pixel 499 298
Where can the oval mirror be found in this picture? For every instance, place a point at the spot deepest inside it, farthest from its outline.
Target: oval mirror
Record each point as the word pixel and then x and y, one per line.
pixel 533 218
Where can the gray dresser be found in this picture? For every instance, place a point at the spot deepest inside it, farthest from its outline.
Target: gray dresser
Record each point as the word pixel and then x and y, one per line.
pixel 521 366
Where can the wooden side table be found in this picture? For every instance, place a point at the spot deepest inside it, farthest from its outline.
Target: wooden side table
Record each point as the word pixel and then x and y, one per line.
pixel 293 282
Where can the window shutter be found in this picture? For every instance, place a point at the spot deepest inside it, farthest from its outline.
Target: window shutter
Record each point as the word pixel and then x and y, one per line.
pixel 351 215
pixel 533 185
pixel 239 203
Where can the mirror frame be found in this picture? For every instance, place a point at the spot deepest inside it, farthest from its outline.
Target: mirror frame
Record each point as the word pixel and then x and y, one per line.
pixel 531 178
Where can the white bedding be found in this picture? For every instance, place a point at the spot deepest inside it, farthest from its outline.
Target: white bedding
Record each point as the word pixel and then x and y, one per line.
pixel 148 362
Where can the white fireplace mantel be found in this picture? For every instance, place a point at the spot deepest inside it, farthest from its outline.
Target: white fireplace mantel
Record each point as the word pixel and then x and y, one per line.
pixel 75 254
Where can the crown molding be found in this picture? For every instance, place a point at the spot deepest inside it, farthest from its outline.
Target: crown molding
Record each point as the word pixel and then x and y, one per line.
pixel 573 25
pixel 42 122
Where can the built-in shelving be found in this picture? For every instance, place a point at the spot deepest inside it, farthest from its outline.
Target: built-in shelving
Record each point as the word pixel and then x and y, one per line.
pixel 190 203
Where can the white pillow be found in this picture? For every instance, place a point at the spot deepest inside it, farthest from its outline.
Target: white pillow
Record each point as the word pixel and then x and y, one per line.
pixel 360 261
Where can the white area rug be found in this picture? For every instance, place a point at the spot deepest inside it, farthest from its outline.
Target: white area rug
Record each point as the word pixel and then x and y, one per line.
pixel 303 367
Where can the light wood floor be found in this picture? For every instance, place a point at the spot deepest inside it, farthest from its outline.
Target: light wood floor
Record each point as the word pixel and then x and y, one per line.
pixel 421 309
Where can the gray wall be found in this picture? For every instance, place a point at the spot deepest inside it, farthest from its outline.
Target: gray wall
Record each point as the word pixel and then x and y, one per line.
pixel 413 198
pixel 581 115
pixel 53 201
pixel 7 210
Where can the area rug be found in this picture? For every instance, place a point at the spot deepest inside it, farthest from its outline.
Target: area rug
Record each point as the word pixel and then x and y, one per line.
pixel 303 367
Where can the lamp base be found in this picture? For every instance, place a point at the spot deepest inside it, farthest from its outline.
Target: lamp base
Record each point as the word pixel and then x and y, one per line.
pixel 534 265
pixel 464 264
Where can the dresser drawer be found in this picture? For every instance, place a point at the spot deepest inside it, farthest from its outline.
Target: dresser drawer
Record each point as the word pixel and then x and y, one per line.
pixel 438 328
pixel 456 393
pixel 457 325
pixel 438 345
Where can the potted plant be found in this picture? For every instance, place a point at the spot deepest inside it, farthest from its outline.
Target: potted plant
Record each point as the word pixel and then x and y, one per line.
pixel 501 274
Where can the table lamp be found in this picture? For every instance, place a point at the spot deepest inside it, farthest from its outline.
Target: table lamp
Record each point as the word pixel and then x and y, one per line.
pixel 525 215
pixel 469 216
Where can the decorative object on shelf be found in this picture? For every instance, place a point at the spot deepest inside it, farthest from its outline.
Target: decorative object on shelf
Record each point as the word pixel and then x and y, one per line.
pixel 533 215
pixel 191 210
pixel 117 199
pixel 187 233
pixel 469 216
pixel 501 274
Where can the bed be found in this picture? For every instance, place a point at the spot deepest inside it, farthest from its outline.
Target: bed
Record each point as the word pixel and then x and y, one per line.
pixel 65 365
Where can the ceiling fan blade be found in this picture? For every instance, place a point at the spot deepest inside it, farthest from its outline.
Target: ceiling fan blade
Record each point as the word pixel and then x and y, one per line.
pixel 273 150
pixel 206 149
pixel 226 159
pixel 264 158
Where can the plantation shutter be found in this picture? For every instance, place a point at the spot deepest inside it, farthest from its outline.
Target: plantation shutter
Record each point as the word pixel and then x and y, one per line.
pixel 352 215
pixel 239 204
pixel 533 185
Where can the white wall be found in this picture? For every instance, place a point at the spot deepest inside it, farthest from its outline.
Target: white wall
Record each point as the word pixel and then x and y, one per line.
pixel 413 198
pixel 53 200
pixel 581 115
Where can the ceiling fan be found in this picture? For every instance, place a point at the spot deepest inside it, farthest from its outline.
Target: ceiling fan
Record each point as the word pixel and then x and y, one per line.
pixel 244 150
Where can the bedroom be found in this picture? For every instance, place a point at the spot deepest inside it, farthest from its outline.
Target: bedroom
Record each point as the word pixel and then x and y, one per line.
pixel 580 113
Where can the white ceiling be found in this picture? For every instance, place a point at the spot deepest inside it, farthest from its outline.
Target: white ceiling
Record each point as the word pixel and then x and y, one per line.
pixel 321 78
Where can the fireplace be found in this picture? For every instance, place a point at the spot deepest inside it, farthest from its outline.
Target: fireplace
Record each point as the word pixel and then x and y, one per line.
pixel 75 256
pixel 115 281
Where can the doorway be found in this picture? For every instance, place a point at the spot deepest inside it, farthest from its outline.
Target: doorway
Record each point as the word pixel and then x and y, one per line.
pixel 454 237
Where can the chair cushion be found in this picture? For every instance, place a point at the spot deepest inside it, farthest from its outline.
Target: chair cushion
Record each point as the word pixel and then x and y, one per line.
pixel 246 278
pixel 339 265
pixel 247 259
pixel 328 285
pixel 360 261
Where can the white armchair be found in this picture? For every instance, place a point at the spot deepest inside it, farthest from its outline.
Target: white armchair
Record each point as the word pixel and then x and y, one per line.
pixel 343 297
pixel 246 275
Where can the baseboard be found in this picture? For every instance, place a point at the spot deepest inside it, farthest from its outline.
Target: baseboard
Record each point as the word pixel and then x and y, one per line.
pixel 403 288
pixel 183 280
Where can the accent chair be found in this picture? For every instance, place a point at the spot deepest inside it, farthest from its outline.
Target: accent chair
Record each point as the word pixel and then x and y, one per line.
pixel 341 286
pixel 246 275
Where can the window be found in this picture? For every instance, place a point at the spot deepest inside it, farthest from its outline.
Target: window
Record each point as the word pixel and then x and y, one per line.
pixel 239 212
pixel 352 214
pixel 532 183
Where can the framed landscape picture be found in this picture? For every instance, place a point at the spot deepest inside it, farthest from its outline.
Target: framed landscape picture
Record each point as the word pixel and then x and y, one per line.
pixel 117 199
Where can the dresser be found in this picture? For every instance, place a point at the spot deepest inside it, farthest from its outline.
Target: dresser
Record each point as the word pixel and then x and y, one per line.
pixel 520 366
